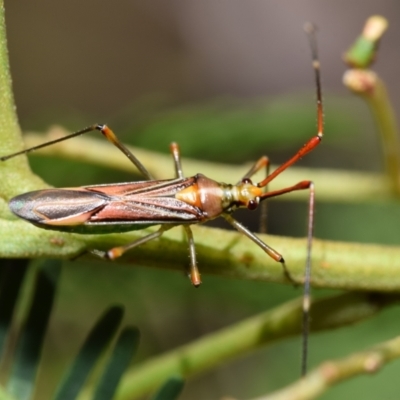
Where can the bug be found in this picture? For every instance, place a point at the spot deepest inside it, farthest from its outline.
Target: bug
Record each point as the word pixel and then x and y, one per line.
pixel 182 201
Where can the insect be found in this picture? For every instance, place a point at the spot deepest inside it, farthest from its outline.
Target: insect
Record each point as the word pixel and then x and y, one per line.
pixel 182 201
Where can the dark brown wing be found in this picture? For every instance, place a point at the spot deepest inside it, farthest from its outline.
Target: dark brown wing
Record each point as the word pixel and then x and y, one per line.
pixel 58 206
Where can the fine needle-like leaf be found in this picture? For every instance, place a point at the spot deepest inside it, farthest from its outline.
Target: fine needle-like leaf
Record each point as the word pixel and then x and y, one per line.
pixel 23 374
pixel 123 352
pixel 171 389
pixel 95 344
pixel 12 276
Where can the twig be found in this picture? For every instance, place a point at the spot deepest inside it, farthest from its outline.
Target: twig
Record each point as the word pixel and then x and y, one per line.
pixel 348 266
pixel 372 89
pixel 333 372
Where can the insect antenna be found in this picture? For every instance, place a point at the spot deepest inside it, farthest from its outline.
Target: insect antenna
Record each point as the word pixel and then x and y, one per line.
pixel 315 140
pixel 107 133
pixel 309 146
pixel 310 30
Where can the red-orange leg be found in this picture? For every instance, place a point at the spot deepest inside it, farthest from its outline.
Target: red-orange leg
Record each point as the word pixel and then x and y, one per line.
pixel 309 146
pixel 315 140
pixel 298 186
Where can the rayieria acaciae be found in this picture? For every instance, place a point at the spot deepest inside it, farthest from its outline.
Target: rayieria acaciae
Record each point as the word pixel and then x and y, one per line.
pixel 169 203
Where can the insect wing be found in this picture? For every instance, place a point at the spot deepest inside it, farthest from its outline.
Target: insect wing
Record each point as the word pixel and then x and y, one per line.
pixel 144 202
pixel 147 201
pixel 57 206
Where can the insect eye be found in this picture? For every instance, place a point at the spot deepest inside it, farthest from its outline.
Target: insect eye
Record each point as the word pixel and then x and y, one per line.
pixel 247 180
pixel 252 204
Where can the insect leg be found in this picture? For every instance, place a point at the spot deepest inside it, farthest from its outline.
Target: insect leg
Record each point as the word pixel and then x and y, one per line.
pixel 176 155
pixel 194 273
pixel 111 137
pixel 264 207
pixel 315 140
pixel 269 250
pixel 263 162
pixel 116 252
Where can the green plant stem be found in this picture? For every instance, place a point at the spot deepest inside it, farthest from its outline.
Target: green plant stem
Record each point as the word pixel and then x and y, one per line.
pixel 385 118
pixel 10 136
pixel 217 348
pixel 349 266
pixel 331 185
pixel 9 128
pixel 372 89
pixel 336 371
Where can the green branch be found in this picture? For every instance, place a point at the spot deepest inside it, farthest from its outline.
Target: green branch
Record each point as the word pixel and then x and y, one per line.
pixel 16 171
pixel 349 266
pixel 372 90
pixel 330 373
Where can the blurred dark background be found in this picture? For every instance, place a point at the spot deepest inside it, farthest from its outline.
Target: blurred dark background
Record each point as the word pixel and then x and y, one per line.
pixel 229 80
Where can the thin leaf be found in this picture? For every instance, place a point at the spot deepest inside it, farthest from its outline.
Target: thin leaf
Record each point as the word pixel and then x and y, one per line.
pixel 99 337
pixel 123 352
pixel 12 275
pixel 24 369
pixel 171 389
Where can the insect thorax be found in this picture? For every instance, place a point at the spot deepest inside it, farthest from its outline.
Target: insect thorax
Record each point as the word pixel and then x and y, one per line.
pixel 214 198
